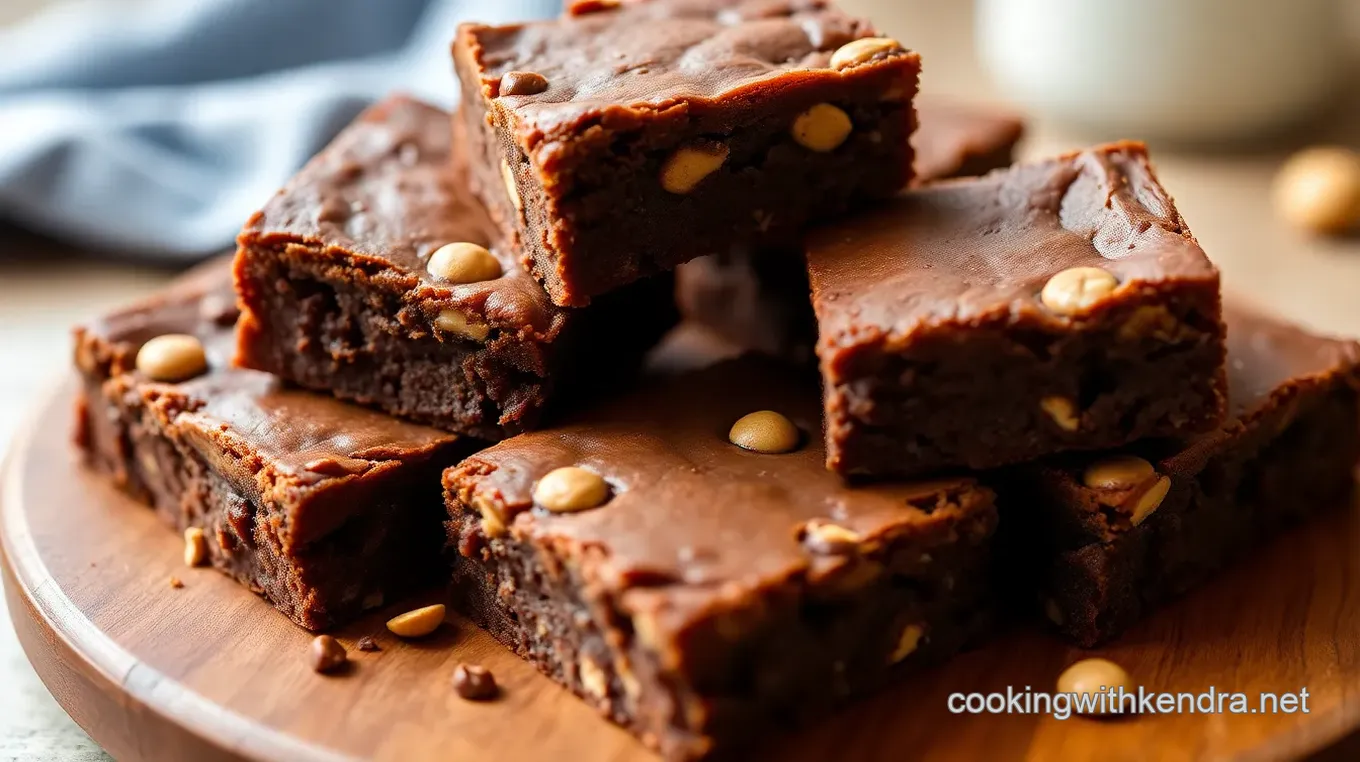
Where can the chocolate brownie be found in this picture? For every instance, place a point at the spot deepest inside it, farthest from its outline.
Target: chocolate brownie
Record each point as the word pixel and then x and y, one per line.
pixel 696 592
pixel 1114 535
pixel 758 298
pixel 324 508
pixel 1059 305
pixel 623 139
pixel 377 277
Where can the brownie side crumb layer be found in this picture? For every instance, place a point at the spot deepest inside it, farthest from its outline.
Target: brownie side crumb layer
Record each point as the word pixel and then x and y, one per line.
pixel 1288 453
pixel 574 170
pixel 758 298
pixel 925 304
pixel 332 277
pixel 718 593
pixel 325 509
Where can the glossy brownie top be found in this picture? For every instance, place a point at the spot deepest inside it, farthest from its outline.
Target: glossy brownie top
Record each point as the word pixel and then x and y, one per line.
pixel 953 137
pixel 1269 358
pixel 689 508
pixel 272 442
pixel 980 251
pixel 387 193
pixel 656 55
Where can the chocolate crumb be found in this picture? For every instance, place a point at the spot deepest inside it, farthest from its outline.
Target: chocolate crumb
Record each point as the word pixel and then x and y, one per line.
pixel 176 583
pixel 367 644
pixel 474 682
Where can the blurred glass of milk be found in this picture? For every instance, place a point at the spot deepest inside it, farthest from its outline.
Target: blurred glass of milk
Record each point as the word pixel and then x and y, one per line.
pixel 1178 69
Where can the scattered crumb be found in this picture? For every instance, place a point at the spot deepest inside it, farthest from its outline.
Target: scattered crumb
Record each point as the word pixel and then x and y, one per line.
pixel 367 644
pixel 176 583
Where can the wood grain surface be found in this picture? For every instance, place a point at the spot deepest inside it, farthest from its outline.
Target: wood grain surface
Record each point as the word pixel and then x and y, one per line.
pixel 210 672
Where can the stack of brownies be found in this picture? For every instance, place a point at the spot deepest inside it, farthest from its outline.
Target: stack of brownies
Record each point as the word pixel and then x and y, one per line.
pixel 430 359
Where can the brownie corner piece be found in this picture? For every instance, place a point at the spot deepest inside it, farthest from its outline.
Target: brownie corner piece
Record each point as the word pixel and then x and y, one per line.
pixel 1074 282
pixel 376 276
pixel 1114 535
pixel 325 509
pixel 623 142
pixel 696 626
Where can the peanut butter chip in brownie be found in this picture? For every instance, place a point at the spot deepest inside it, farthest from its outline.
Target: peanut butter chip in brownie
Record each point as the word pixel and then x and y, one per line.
pixel 863 50
pixel 1076 290
pixel 464 263
pixel 765 432
pixel 688 167
pixel 571 489
pixel 1117 472
pixel 822 128
pixel 172 357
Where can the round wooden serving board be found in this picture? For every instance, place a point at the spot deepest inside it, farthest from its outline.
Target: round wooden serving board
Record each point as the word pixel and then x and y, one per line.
pixel 210 672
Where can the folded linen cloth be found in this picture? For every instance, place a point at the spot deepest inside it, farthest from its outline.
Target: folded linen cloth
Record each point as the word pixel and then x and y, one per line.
pixel 154 129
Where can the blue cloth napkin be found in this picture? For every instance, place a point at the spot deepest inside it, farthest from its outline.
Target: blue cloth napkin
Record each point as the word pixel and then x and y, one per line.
pixel 156 129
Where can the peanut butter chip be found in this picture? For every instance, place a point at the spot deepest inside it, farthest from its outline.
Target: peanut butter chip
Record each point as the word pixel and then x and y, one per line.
pixel 822 128
pixel 1118 472
pixel 523 83
pixel 418 623
pixel 571 489
pixel 458 324
pixel 195 547
pixel 765 432
pixel 511 189
pixel 907 643
pixel 464 263
pixel 688 167
pixel 172 357
pixel 492 523
pixel 1063 411
pixel 1318 190
pixel 326 654
pixel 1150 501
pixel 1074 291
pixel 863 50
pixel 1089 676
pixel 827 539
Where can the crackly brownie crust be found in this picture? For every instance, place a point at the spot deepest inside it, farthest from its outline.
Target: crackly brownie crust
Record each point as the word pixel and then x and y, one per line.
pixel 696 607
pixel 1288 451
pixel 573 167
pixel 325 509
pixel 925 304
pixel 758 298
pixel 337 298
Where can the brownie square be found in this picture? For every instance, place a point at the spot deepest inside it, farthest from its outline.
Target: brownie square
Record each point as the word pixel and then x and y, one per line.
pixel 324 508
pixel 623 139
pixel 758 298
pixel 1059 305
pixel 716 591
pixel 336 283
pixel 1112 536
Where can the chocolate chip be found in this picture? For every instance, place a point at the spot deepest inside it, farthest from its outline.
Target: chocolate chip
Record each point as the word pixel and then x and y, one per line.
pixel 367 644
pixel 326 654
pixel 474 682
pixel 523 83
